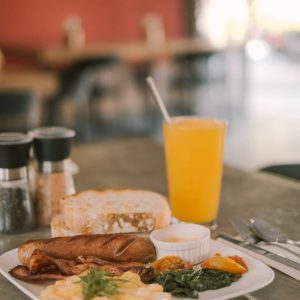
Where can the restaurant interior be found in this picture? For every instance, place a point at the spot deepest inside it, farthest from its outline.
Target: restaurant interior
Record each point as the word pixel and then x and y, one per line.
pixel 82 64
pixel 149 149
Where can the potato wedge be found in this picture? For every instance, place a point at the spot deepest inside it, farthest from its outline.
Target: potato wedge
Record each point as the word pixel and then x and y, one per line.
pixel 225 264
pixel 239 260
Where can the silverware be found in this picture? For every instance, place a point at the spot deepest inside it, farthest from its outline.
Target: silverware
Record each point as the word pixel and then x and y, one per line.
pixel 242 228
pixel 264 230
pixel 261 251
pixel 270 233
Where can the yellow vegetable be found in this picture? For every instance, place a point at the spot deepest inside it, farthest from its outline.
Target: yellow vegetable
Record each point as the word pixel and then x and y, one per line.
pixel 130 286
pixel 169 263
pixel 225 264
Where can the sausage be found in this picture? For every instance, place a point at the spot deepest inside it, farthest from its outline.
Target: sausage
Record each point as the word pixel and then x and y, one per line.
pixel 110 247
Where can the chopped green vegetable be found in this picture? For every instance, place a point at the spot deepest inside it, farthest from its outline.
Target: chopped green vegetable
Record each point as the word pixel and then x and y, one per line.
pixel 187 283
pixel 98 283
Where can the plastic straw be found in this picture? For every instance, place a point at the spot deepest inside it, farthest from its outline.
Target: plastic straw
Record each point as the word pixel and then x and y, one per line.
pixel 156 95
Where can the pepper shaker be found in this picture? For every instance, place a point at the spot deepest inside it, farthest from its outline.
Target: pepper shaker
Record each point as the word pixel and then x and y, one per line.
pixel 16 207
pixel 54 179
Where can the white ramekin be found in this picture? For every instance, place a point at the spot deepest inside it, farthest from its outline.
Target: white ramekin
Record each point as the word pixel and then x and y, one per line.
pixel 193 251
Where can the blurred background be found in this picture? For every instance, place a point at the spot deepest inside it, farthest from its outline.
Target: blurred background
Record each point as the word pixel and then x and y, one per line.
pixel 82 64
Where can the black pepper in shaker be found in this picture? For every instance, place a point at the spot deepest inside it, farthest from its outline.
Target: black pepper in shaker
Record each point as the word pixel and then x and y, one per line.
pixel 16 208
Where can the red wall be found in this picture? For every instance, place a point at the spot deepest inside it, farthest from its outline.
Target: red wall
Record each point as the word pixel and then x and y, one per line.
pixel 37 23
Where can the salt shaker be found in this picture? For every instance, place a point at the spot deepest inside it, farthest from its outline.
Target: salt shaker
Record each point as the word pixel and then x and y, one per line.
pixel 16 207
pixel 54 178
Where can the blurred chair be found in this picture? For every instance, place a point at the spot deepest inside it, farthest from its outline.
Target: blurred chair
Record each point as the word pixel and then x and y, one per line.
pixel 81 83
pixel 192 73
pixel 18 111
pixel 289 170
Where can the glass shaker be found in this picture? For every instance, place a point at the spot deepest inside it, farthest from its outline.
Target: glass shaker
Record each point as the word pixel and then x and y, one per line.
pixel 54 178
pixel 16 207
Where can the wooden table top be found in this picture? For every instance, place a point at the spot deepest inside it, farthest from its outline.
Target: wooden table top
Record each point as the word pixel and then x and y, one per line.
pixel 127 51
pixel 41 83
pixel 139 163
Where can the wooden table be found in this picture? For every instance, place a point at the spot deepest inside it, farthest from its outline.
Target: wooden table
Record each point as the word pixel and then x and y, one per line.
pixel 139 163
pixel 139 55
pixel 42 84
pixel 39 86
pixel 130 52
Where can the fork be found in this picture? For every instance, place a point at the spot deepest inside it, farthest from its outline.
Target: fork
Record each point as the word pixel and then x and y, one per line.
pixel 242 228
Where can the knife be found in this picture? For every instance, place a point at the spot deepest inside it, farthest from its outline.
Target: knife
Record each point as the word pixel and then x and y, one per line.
pixel 261 251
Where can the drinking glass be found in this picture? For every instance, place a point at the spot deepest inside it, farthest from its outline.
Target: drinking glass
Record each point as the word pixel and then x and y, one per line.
pixel 194 157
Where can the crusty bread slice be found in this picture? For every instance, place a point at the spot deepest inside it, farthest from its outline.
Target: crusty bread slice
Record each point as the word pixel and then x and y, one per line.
pixel 59 228
pixel 111 211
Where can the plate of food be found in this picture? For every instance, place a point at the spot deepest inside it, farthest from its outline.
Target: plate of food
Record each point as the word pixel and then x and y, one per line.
pixel 172 262
pixel 213 272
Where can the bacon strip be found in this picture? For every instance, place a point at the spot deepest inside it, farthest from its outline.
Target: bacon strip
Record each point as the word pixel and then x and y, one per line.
pixel 102 262
pixel 23 273
pixel 40 261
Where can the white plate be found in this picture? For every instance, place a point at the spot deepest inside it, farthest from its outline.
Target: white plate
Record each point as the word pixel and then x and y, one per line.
pixel 258 276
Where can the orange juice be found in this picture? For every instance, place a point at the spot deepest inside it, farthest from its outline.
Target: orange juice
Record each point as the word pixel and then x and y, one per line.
pixel 194 156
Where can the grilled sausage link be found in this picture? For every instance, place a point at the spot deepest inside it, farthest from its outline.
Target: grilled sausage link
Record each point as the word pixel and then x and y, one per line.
pixel 110 247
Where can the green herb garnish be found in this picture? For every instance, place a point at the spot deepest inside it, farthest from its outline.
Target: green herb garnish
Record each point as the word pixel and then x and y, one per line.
pixel 98 283
pixel 187 283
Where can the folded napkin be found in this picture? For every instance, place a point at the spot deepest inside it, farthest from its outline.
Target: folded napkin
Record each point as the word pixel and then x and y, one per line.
pixel 280 251
pixel 292 272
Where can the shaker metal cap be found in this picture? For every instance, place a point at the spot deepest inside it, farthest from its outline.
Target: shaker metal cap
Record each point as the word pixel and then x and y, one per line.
pixel 14 150
pixel 52 143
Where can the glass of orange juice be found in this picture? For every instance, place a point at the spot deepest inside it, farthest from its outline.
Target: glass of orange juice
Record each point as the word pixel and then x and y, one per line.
pixel 194 156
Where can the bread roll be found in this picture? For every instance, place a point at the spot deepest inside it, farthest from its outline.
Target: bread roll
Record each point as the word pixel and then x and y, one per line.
pixel 110 247
pixel 59 228
pixel 111 211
